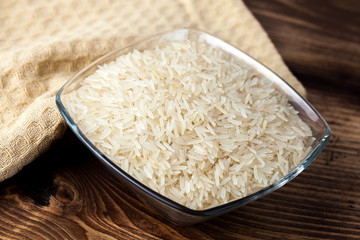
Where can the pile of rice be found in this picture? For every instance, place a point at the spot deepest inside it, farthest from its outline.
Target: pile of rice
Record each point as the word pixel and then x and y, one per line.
pixel 191 123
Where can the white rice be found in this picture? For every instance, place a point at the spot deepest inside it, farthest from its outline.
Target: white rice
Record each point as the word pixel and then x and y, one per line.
pixel 191 123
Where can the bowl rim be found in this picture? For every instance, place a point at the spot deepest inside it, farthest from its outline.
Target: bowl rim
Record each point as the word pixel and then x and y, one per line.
pixel 209 211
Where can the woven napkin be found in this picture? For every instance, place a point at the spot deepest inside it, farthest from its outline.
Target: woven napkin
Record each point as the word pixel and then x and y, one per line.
pixel 43 43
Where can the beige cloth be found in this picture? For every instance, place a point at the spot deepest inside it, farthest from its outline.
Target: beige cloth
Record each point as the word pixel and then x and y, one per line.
pixel 43 43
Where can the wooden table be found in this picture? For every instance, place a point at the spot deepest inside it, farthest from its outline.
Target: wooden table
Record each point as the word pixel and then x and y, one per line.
pixel 66 194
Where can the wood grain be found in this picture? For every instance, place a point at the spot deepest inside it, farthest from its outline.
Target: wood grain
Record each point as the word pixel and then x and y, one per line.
pixel 68 194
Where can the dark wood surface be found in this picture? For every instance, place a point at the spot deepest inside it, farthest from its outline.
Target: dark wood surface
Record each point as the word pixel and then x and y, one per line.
pixel 68 194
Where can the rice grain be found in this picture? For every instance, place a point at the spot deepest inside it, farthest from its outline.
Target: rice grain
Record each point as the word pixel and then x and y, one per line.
pixel 190 122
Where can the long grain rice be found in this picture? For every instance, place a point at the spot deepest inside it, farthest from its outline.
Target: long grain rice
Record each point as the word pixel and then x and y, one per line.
pixel 191 123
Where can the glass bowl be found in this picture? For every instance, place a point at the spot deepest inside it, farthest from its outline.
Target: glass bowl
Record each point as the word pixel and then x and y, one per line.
pixel 171 210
